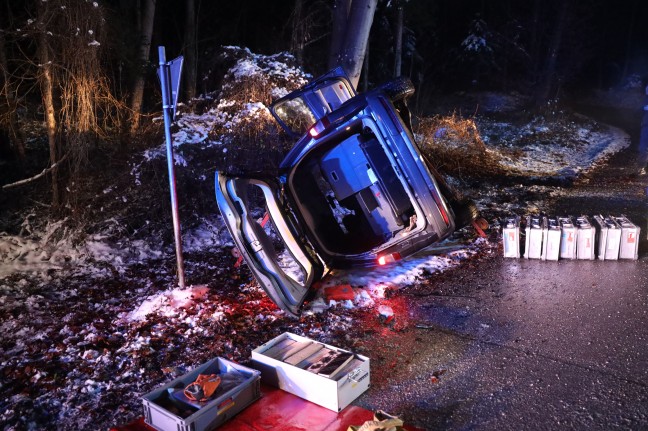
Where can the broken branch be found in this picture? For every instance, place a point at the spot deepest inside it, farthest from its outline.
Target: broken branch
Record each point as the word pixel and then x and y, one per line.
pixel 35 177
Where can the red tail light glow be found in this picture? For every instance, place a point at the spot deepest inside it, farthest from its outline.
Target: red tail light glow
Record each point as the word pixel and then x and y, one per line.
pixel 388 258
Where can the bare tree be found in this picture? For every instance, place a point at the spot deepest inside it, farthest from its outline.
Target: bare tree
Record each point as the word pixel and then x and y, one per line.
pixel 77 101
pixel 356 33
pixel 46 81
pixel 146 29
pixel 190 51
pixel 9 118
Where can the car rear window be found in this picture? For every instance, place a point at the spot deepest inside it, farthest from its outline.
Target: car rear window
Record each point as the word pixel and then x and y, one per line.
pixel 302 109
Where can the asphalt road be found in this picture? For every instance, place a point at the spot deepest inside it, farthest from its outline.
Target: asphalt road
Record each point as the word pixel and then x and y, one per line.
pixel 515 344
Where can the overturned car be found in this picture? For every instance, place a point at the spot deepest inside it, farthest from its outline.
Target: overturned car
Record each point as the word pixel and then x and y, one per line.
pixel 354 190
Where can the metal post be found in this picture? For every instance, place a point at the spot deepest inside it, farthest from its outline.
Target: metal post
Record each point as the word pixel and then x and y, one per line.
pixel 167 107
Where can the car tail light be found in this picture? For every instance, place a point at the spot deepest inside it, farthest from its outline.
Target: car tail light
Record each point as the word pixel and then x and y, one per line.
pixel 388 258
pixel 319 127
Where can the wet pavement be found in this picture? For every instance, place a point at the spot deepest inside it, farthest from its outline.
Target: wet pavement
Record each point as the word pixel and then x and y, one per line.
pixel 519 344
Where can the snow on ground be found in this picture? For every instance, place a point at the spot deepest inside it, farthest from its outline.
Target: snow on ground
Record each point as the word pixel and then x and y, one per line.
pixel 91 323
pixel 535 150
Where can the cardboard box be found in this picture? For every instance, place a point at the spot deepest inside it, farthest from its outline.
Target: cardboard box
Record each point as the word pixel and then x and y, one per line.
pixel 284 363
pixel 167 409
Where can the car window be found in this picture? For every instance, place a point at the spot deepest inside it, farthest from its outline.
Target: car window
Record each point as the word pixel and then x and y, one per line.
pixel 295 114
pixel 332 96
pixel 300 110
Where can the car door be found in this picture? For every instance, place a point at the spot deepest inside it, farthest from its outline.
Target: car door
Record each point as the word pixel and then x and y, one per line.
pixel 288 286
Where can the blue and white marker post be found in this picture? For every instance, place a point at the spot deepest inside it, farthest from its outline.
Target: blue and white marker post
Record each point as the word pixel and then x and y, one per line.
pixel 170 81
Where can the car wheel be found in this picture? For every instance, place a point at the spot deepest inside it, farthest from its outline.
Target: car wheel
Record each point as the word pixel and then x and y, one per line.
pixel 398 88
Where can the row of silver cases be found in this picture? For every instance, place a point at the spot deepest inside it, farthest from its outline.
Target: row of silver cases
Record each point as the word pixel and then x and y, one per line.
pixel 553 238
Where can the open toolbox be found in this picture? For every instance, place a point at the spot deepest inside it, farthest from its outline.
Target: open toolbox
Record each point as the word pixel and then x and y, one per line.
pixel 168 409
pixel 325 375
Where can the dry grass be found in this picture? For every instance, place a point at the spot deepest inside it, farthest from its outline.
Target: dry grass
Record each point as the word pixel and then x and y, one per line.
pixel 256 142
pixel 455 147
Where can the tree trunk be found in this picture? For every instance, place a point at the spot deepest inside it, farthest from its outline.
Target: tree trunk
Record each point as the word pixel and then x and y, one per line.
pixel 47 91
pixel 398 42
pixel 356 36
pixel 628 48
pixel 15 132
pixel 535 44
pixel 549 74
pixel 340 17
pixel 191 65
pixel 298 38
pixel 148 19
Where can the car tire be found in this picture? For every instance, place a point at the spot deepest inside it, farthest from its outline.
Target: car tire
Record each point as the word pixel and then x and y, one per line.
pixel 398 88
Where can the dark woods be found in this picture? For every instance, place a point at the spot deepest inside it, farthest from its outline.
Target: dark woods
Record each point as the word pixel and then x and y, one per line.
pixel 85 70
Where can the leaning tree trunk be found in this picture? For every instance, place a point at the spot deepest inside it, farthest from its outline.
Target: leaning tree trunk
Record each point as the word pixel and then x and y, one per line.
pixel 356 36
pixel 190 50
pixel 47 90
pixel 144 51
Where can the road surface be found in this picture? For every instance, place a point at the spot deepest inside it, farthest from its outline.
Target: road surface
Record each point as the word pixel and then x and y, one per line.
pixel 515 344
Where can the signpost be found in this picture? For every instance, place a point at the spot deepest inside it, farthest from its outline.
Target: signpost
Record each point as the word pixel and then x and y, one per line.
pixel 170 81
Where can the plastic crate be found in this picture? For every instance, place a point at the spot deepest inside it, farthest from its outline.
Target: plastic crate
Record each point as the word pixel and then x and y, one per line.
pixel 166 408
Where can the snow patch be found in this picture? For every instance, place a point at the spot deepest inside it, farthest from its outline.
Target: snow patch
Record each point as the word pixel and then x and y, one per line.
pixel 167 303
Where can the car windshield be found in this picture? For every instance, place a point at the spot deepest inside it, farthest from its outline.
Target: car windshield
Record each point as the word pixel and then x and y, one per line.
pixel 301 110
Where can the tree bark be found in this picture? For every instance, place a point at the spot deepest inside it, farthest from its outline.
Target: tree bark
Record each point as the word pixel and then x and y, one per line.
pixel 47 91
pixel 148 19
pixel 340 18
pixel 398 42
pixel 190 50
pixel 356 36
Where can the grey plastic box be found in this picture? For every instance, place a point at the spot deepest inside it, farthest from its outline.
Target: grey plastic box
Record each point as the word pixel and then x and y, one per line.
pixel 164 408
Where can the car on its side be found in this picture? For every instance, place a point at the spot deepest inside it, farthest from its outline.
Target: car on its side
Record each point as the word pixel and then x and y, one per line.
pixel 354 190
